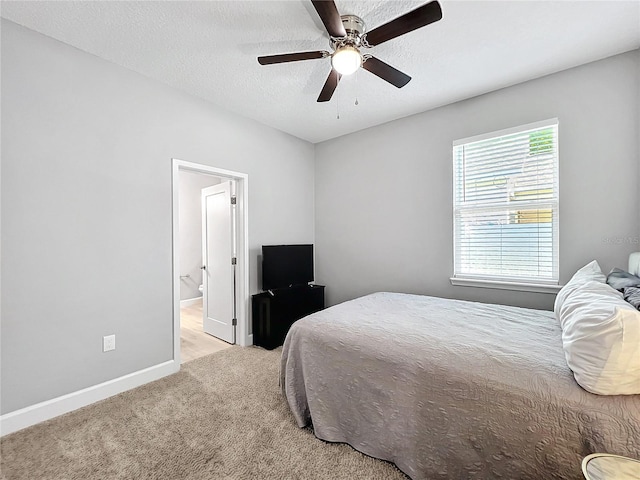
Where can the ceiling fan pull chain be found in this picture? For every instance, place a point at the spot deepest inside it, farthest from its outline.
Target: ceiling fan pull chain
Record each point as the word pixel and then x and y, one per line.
pixel 357 89
pixel 337 105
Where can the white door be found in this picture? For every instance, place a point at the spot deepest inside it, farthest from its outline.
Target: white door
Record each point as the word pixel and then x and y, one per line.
pixel 218 260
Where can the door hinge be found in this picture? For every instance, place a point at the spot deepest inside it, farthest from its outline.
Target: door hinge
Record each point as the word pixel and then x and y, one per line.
pixel 234 321
pixel 234 200
pixel 234 260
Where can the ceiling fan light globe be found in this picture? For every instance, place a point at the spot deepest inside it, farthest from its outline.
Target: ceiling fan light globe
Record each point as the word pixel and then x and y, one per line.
pixel 346 60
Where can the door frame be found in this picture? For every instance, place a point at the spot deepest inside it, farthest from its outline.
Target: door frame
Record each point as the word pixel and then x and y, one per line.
pixel 243 338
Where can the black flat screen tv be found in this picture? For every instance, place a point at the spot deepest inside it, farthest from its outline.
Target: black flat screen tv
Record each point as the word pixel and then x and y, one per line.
pixel 286 265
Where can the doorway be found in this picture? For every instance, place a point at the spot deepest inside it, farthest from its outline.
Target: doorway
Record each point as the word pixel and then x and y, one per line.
pixel 216 279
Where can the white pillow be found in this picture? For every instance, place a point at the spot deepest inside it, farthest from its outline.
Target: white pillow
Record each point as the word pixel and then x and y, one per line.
pixel 601 339
pixel 590 272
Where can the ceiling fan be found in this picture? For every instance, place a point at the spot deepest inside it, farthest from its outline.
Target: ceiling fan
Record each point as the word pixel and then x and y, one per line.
pixel 348 35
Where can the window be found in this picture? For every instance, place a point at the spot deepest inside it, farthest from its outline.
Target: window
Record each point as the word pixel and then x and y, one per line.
pixel 506 206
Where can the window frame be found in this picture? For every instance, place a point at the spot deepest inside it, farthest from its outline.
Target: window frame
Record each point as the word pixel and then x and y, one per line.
pixel 533 284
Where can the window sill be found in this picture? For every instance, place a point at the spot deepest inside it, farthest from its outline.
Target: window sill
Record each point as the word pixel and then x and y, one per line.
pixel 518 286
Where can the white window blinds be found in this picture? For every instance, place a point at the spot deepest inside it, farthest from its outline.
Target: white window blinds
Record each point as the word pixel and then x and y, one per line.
pixel 506 205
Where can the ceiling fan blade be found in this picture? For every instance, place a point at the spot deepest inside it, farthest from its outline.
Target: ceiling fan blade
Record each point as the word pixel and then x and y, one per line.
pixel 386 72
pixel 329 15
pixel 421 16
pixel 329 86
pixel 291 57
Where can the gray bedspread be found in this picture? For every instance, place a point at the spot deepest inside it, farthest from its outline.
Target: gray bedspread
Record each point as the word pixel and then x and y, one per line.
pixel 450 389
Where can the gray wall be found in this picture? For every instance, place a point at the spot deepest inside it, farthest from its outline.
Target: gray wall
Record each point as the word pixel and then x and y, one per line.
pixel 190 230
pixel 384 195
pixel 86 210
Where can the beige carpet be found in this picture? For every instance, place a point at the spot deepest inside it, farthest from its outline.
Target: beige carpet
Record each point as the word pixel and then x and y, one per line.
pixel 220 417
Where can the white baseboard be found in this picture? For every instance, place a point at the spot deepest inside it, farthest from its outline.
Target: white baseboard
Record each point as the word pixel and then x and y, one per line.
pixel 189 301
pixel 25 417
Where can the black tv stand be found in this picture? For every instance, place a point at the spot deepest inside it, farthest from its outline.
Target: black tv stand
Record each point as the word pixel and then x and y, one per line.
pixel 274 311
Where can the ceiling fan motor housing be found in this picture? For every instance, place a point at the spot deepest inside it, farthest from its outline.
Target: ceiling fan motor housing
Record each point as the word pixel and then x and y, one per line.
pixel 355 28
pixel 353 24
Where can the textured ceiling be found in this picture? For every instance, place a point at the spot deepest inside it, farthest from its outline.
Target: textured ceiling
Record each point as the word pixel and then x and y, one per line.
pixel 209 49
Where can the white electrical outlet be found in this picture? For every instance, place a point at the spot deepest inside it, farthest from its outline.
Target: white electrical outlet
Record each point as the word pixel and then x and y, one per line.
pixel 108 343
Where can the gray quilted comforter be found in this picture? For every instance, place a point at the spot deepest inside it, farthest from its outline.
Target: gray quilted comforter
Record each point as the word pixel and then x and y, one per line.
pixel 450 389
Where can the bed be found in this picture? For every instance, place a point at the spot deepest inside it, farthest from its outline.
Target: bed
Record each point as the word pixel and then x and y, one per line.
pixel 450 389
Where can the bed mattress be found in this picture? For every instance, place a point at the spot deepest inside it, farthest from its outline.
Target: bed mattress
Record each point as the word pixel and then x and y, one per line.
pixel 450 389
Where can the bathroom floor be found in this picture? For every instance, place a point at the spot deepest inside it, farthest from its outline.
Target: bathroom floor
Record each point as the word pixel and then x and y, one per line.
pixel 194 343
